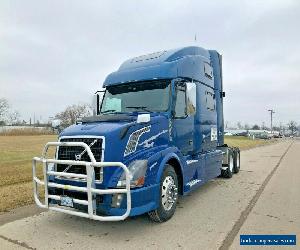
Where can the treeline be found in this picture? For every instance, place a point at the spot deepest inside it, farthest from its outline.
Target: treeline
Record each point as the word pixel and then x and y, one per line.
pixel 67 117
pixel 291 126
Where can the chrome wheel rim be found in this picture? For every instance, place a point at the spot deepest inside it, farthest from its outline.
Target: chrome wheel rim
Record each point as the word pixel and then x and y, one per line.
pixel 169 193
pixel 231 163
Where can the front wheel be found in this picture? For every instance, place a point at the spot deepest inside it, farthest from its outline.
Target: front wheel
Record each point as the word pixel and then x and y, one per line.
pixel 168 196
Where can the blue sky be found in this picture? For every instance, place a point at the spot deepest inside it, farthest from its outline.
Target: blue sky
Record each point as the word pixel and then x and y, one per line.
pixel 57 53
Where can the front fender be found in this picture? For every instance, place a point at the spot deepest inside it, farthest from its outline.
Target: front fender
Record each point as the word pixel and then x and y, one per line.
pixel 153 156
pixel 156 164
pixel 170 153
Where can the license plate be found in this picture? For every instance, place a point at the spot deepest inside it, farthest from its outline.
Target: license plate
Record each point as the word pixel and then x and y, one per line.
pixel 66 201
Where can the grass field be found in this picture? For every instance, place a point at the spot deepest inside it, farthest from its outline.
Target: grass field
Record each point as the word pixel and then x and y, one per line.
pixel 16 153
pixel 244 142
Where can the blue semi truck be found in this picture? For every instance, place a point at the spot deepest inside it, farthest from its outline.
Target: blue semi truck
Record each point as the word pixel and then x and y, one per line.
pixel 157 132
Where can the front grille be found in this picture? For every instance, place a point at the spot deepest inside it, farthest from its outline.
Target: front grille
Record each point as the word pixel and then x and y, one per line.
pixel 76 153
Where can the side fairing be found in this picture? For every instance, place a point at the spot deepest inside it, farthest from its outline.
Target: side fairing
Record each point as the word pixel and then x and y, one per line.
pixel 206 119
pixel 216 60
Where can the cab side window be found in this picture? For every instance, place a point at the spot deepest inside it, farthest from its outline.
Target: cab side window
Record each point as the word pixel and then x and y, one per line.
pixel 185 104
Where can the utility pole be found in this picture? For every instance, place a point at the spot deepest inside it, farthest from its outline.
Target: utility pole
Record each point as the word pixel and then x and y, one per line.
pixel 271 113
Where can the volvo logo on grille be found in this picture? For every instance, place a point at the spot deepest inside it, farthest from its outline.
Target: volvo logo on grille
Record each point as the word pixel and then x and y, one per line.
pixel 77 157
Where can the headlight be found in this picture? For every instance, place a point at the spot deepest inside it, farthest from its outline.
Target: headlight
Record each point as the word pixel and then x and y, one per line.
pixel 137 173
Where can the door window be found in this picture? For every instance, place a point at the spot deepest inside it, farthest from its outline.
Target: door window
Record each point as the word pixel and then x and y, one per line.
pixel 180 103
pixel 191 98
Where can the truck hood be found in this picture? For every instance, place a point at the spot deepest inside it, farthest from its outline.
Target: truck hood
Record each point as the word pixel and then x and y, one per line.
pixel 116 129
pixel 99 125
pixel 95 128
pixel 117 132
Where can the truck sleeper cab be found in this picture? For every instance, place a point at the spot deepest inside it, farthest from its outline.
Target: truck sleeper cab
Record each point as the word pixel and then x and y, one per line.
pixel 157 132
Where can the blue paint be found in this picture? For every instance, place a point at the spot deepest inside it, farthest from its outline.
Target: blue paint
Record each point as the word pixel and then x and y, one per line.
pixel 268 240
pixel 182 140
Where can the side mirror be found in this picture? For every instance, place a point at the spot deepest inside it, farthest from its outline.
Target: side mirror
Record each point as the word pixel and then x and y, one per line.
pixel 173 114
pixel 143 118
pixel 97 101
pixel 95 104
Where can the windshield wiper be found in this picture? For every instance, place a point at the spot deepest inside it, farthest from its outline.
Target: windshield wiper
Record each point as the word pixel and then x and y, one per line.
pixel 139 107
pixel 108 111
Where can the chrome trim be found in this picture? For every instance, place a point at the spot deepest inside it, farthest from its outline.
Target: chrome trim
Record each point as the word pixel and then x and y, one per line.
pixel 90 188
pixel 102 155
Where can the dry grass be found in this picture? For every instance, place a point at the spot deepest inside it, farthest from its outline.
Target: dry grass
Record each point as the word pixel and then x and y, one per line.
pixel 244 142
pixel 27 131
pixel 16 153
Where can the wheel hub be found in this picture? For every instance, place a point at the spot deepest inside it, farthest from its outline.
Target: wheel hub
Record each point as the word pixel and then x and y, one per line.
pixel 169 193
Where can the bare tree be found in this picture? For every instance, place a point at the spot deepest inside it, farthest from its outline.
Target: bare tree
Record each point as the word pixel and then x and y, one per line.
pixel 239 125
pixel 292 125
pixel 14 117
pixel 4 106
pixel 256 127
pixel 263 126
pixel 72 113
pixel 247 127
pixel 226 124
pixel 275 128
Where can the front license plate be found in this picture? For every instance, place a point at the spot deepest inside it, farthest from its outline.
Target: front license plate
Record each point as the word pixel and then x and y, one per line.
pixel 66 201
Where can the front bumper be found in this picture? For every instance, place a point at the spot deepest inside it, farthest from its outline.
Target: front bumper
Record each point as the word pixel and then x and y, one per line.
pixel 143 200
pixel 90 188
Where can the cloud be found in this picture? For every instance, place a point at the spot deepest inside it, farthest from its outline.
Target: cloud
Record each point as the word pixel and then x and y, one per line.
pixel 56 53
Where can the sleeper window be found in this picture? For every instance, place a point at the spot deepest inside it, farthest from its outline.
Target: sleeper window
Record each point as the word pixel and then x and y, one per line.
pixel 210 101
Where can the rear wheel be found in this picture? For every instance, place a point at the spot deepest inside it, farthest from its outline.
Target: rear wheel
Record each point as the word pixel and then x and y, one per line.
pixel 168 196
pixel 237 161
pixel 229 170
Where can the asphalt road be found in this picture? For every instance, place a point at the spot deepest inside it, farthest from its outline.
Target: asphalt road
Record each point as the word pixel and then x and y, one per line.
pixel 262 199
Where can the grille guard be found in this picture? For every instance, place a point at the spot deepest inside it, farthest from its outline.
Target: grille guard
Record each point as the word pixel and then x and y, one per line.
pixel 89 189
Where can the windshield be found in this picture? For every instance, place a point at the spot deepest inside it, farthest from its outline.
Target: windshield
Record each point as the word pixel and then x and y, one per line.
pixel 150 96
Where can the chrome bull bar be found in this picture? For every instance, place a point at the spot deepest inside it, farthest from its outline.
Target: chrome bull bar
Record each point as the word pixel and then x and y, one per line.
pixel 90 188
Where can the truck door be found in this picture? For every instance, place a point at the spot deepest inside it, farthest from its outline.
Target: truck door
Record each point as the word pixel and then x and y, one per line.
pixel 184 110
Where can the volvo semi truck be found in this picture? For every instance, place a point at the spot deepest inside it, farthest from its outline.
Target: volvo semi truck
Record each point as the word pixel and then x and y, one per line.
pixel 157 132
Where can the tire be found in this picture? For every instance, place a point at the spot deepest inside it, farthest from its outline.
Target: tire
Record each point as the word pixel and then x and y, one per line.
pixel 168 189
pixel 229 171
pixel 237 161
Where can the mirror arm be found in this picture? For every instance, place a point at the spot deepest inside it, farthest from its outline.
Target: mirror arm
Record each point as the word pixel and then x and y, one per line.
pixel 97 110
